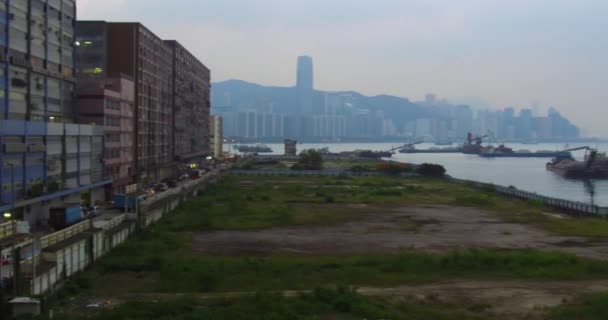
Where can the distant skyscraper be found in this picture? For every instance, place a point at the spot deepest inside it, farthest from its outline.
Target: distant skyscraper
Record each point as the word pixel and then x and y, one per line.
pixel 304 84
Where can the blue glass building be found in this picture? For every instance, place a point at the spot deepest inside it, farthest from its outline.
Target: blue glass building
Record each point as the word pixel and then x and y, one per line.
pixel 47 160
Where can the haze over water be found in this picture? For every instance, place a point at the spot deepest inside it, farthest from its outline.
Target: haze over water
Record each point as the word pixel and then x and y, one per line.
pixel 527 174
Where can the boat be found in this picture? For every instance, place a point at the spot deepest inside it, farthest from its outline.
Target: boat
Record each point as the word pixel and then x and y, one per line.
pixel 431 150
pixel 258 148
pixel 504 152
pixel 373 154
pixel 525 154
pixel 473 144
pixel 594 165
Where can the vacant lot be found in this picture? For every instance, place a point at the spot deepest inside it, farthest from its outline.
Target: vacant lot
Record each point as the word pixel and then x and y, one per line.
pixel 419 248
pixel 390 229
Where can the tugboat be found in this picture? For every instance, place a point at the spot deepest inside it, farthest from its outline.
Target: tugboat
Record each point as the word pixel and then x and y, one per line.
pixel 594 166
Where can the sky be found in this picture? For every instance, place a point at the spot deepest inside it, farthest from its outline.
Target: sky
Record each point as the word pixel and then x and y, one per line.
pixel 516 53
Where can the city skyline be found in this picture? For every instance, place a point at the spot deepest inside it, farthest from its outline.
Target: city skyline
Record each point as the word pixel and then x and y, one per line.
pixel 253 111
pixel 508 53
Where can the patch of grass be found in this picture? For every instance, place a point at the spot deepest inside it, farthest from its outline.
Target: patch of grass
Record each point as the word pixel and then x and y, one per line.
pixel 594 228
pixel 386 192
pixel 175 272
pixel 322 303
pixel 594 307
pixel 271 202
pixel 475 200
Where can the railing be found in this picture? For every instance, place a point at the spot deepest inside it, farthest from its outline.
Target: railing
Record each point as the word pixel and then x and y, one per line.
pixel 568 205
pixel 66 233
pixel 6 229
pixel 115 222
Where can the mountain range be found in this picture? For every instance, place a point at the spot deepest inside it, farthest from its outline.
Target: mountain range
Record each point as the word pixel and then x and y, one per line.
pixel 242 95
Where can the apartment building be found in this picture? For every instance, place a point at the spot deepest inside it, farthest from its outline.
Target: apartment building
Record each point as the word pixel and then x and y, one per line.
pixel 47 159
pixel 191 105
pixel 109 103
pixel 131 49
pixel 216 136
pixel 137 52
pixel 107 100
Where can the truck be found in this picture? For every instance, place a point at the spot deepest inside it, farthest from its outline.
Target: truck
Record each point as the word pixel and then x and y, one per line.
pixel 128 202
pixel 64 216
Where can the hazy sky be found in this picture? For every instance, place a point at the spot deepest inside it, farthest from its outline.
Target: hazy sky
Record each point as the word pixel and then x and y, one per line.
pixel 505 52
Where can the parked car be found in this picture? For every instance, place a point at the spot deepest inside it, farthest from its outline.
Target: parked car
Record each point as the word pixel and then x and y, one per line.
pixel 94 210
pixel 161 187
pixel 5 259
pixel 172 183
pixel 195 175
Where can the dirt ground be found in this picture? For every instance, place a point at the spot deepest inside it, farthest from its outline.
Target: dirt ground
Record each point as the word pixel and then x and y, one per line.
pixel 387 229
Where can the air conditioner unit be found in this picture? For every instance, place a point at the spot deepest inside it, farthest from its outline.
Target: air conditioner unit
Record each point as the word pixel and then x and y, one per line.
pixel 14 147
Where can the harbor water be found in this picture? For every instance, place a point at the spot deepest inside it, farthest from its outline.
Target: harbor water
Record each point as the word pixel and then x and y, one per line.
pixel 527 174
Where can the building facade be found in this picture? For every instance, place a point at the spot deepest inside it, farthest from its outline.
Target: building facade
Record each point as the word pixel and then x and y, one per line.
pixel 133 50
pixel 47 160
pixel 109 103
pixel 191 106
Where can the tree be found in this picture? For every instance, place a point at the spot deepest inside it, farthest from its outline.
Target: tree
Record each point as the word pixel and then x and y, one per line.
pixel 431 170
pixel 309 160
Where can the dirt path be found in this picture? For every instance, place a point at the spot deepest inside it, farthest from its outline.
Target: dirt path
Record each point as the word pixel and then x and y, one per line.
pixel 389 229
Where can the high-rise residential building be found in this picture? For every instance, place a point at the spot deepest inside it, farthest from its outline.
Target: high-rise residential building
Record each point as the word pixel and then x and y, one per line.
pixel 216 137
pixel 47 160
pixel 191 105
pixel 464 120
pixel 131 49
pixel 525 124
pixel 304 85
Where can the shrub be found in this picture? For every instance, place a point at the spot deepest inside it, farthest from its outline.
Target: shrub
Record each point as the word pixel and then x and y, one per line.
pixel 359 169
pixel 393 168
pixel 309 160
pixel 431 170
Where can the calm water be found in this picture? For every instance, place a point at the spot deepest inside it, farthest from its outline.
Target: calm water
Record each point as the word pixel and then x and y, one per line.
pixel 524 173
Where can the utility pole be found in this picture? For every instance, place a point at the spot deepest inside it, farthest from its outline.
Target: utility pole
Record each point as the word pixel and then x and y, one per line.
pixel 11 215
